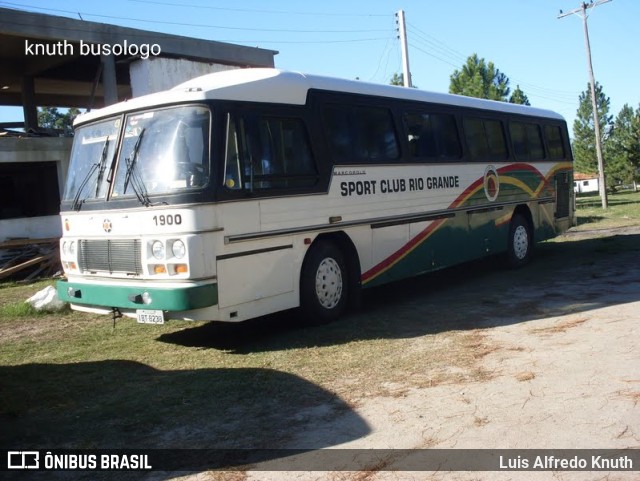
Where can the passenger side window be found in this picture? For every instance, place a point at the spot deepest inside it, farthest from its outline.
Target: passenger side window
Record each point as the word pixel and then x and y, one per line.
pixel 432 136
pixel 485 139
pixel 527 141
pixel 268 153
pixel 554 142
pixel 232 165
pixel 359 134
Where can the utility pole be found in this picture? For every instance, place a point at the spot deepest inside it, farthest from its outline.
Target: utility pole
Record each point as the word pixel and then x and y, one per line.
pixel 582 13
pixel 402 34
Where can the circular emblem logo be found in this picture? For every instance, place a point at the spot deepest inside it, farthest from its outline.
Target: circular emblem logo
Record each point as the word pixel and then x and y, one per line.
pixel 106 225
pixel 491 183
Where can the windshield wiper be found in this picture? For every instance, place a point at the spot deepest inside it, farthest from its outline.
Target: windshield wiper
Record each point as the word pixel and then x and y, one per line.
pixel 132 175
pixel 131 161
pixel 77 202
pixel 102 166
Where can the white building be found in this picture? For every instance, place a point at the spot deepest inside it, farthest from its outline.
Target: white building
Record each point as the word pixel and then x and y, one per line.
pixel 583 183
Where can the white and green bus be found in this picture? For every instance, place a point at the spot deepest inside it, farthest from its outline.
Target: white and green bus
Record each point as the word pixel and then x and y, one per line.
pixel 246 192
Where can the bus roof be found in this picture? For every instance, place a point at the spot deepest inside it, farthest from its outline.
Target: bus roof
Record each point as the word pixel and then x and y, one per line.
pixel 278 86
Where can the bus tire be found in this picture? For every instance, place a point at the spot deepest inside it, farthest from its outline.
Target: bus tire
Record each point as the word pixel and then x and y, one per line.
pixel 323 284
pixel 520 242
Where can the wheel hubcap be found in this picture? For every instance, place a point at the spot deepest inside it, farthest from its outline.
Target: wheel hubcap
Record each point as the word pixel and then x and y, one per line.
pixel 329 283
pixel 520 242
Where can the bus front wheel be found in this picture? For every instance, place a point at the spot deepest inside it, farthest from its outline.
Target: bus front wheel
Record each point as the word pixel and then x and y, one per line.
pixel 323 284
pixel 520 242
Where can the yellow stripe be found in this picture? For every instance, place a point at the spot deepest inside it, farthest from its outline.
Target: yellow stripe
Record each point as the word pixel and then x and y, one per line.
pixel 503 219
pixel 518 183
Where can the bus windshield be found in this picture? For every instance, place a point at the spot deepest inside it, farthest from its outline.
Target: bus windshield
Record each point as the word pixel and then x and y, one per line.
pixel 162 152
pixel 93 149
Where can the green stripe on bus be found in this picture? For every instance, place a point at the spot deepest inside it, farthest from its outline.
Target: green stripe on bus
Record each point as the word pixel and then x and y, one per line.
pixel 454 242
pixel 130 297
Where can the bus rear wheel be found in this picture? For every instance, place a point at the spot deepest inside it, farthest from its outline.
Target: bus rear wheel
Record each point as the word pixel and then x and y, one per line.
pixel 323 284
pixel 520 242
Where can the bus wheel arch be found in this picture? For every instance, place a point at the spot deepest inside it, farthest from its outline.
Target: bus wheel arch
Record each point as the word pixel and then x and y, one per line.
pixel 520 239
pixel 332 258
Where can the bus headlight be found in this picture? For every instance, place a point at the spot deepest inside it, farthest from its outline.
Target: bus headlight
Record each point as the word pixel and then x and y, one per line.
pixel 157 249
pixel 69 248
pixel 178 248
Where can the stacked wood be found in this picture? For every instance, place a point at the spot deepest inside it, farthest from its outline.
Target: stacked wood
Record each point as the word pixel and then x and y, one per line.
pixel 28 259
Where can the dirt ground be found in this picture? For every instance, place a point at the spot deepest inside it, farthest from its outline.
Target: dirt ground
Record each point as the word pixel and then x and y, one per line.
pixel 544 357
pixel 562 363
pixel 477 356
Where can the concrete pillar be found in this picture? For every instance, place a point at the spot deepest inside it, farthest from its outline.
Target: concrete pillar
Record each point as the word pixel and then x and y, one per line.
pixel 109 81
pixel 29 106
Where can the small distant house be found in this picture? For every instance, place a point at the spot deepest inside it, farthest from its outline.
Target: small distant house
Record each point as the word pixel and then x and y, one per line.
pixel 583 183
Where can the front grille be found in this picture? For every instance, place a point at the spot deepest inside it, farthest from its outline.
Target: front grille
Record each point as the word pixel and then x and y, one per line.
pixel 113 256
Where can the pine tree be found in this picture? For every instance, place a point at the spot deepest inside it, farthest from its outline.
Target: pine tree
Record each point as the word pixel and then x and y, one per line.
pixel 398 79
pixel 623 150
pixel 480 79
pixel 519 97
pixel 584 137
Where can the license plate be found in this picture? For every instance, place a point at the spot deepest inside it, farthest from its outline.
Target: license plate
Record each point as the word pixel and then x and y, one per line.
pixel 146 316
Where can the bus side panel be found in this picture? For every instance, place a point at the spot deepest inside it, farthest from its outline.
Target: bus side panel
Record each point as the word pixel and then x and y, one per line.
pixel 255 276
pixel 422 253
pixel 385 240
pixel 545 227
pixel 442 243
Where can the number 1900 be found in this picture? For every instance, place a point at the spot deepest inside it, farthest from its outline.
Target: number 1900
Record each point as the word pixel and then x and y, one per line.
pixel 168 219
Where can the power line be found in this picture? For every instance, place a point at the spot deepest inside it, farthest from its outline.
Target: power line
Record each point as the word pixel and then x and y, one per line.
pixel 433 48
pixel 245 41
pixel 438 44
pixel 352 40
pixel 186 24
pixel 434 56
pixel 438 49
pixel 566 94
pixel 247 10
pixel 386 53
pixel 537 95
pixel 444 56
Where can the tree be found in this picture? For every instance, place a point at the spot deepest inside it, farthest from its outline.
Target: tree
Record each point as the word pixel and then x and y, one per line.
pixel 519 97
pixel 584 137
pixel 52 118
pixel 398 79
pixel 480 79
pixel 623 149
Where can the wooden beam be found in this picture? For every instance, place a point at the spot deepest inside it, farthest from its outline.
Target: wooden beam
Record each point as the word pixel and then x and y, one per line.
pixel 27 242
pixel 31 262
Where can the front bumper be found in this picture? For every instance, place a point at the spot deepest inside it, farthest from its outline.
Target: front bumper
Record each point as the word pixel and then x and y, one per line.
pixel 138 296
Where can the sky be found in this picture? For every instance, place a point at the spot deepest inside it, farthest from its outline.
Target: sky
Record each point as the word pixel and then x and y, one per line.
pixel 544 55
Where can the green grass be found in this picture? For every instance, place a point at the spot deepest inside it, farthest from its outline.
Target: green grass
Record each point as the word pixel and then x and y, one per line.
pixel 624 210
pixel 18 310
pixel 73 380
